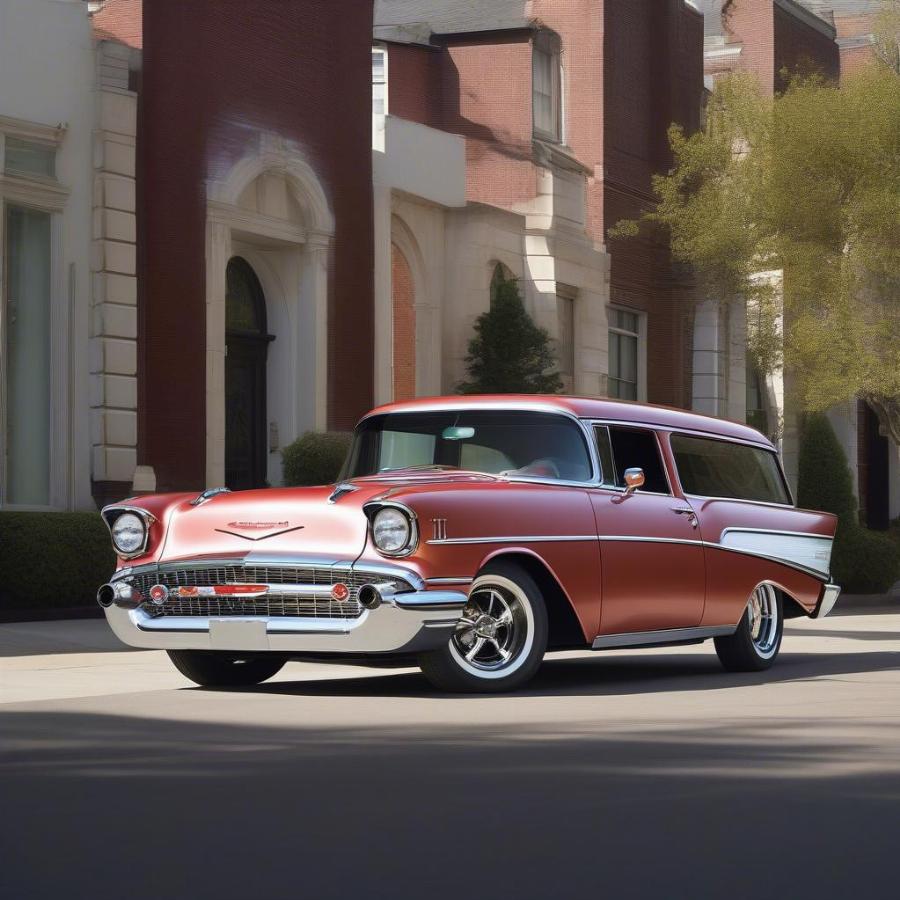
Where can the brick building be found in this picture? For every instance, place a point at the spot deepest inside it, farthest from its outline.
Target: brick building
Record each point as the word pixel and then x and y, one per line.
pixel 854 21
pixel 560 112
pixel 254 248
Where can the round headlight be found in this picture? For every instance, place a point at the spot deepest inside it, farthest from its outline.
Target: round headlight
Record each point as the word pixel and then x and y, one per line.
pixel 391 530
pixel 128 533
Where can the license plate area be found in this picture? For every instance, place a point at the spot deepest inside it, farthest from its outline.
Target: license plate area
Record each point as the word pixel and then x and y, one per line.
pixel 238 634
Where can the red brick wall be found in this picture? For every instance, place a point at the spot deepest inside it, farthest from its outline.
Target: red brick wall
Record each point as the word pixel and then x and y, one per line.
pixel 486 93
pixel 580 26
pixel 119 20
pixel 215 74
pixel 404 342
pixel 774 40
pixel 414 83
pixel 654 76
pixel 801 49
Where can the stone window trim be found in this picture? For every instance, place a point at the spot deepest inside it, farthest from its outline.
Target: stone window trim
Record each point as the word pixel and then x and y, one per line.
pixel 640 335
pixel 42 193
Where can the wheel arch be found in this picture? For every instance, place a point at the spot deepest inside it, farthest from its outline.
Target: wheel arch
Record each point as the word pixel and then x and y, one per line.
pixel 565 629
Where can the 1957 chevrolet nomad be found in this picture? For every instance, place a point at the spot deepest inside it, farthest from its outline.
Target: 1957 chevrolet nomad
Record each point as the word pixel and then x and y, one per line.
pixel 474 534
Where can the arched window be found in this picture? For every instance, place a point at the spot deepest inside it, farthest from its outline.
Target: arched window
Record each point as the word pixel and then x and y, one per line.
pixel 245 304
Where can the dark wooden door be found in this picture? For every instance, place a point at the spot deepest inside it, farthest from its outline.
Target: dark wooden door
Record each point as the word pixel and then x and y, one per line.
pixel 246 348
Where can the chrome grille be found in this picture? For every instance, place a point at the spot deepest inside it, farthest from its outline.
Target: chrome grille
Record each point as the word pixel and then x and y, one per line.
pixel 306 605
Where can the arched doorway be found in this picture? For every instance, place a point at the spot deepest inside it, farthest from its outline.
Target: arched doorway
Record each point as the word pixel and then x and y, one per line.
pixel 246 347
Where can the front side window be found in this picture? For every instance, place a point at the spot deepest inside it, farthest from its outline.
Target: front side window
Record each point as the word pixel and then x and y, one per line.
pixel 512 443
pixel 624 354
pixel 711 468
pixel 546 88
pixel 621 448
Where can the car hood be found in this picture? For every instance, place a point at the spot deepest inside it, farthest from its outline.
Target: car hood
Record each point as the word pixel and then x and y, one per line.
pixel 280 521
pixel 320 521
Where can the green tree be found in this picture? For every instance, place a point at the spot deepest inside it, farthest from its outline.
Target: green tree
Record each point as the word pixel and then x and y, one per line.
pixel 509 354
pixel 807 183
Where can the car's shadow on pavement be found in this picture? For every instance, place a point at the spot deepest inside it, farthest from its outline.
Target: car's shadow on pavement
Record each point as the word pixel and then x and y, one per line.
pixel 603 675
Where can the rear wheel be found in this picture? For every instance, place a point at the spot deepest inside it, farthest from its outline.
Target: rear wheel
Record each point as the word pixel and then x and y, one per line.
pixel 755 644
pixel 501 637
pixel 212 668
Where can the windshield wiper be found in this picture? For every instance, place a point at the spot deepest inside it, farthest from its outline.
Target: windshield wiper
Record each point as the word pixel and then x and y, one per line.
pixel 439 468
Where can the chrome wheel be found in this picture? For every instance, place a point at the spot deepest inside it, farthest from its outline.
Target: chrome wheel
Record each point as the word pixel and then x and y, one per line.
pixel 496 630
pixel 762 612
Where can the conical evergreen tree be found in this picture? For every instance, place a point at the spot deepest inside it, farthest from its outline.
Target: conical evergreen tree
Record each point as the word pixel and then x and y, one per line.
pixel 509 354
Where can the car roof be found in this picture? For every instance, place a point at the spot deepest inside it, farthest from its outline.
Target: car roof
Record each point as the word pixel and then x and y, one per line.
pixel 664 417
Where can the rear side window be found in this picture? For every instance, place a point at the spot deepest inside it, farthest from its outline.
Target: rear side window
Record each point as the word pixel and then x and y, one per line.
pixel 710 468
pixel 630 448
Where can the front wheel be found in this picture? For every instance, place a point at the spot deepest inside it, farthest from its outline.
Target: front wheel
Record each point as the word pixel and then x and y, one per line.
pixel 212 668
pixel 500 639
pixel 755 644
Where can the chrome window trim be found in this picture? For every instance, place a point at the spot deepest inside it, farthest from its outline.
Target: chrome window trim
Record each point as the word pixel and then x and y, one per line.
pixel 741 500
pixel 768 448
pixel 639 426
pixel 511 407
pixel 113 511
pixel 413 541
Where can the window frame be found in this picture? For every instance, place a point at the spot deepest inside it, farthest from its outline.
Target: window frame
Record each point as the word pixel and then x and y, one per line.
pixel 547 44
pixel 383 51
pixel 641 337
pixel 596 424
pixel 44 194
pixel 700 435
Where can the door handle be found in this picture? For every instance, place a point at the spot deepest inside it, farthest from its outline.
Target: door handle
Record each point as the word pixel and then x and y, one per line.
pixel 686 511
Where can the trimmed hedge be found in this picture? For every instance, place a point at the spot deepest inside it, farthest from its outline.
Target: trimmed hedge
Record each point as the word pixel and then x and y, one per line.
pixel 53 560
pixel 315 458
pixel 863 561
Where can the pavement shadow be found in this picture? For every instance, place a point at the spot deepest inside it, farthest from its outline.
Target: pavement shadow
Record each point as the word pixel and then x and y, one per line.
pixel 603 675
pixel 122 806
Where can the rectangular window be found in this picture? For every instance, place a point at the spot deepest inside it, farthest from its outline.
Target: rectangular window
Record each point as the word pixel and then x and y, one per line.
pixel 27 358
pixel 624 354
pixel 379 81
pixel 631 448
pixel 713 468
pixel 545 90
pixel 565 311
pixel 29 158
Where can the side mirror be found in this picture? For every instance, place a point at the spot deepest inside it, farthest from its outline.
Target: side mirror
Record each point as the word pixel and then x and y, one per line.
pixel 634 478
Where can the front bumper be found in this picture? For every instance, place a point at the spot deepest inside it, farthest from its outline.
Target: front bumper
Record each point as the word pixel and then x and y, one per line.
pixel 411 621
pixel 830 594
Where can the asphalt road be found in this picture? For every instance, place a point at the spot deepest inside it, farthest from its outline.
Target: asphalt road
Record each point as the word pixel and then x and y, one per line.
pixel 622 774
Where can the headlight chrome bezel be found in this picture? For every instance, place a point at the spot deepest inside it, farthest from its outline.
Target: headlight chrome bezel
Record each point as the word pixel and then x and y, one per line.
pixel 372 512
pixel 112 514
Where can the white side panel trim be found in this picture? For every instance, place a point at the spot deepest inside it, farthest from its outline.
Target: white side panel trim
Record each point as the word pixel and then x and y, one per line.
pixel 811 551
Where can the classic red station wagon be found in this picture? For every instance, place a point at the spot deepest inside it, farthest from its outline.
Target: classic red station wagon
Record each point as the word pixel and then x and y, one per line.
pixel 473 534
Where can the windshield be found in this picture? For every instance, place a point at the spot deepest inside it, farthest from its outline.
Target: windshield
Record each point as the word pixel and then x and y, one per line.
pixel 524 444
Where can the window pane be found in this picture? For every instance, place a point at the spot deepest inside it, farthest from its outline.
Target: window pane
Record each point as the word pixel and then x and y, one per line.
pixel 378 99
pixel 518 443
pixel 377 66
pixel 633 448
pixel 26 158
pixel 627 321
pixel 565 310
pixel 28 357
pixel 604 450
pixel 711 468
